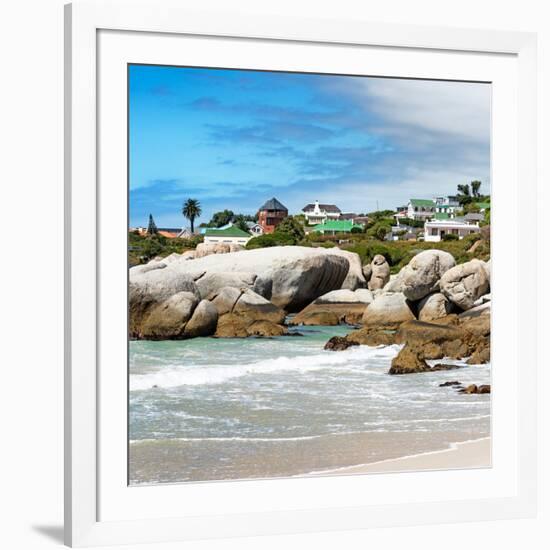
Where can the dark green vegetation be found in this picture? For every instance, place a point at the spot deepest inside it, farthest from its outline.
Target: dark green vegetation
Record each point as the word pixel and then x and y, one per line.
pixel 289 232
pixel 142 248
pixel 219 219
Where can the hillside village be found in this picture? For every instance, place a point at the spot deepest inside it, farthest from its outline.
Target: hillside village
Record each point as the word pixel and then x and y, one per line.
pixel 434 220
pixel 439 216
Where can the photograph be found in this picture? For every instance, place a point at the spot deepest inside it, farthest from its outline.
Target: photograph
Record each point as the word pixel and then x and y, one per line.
pixel 309 274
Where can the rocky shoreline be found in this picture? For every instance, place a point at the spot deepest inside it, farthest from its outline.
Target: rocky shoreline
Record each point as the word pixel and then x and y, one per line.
pixel 433 307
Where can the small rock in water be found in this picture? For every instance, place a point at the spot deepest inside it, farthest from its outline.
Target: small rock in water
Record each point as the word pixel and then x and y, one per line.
pixel 450 383
pixel 154 386
pixel 444 366
pixel 472 388
pixel 338 343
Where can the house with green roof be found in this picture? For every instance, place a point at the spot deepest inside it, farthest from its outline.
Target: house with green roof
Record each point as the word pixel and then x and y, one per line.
pixel 425 209
pixel 420 209
pixel 229 235
pixel 331 227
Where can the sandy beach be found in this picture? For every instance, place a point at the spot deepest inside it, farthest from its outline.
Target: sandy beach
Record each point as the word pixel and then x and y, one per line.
pixel 468 454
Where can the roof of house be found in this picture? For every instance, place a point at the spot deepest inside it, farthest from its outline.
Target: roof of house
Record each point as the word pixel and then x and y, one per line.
pixel 326 207
pixel 483 205
pixel 169 229
pixel 422 202
pixel 441 216
pixel 232 231
pixel 167 234
pixel 273 204
pixel 337 225
pixel 451 222
pixel 474 216
pixel 348 216
pixel 251 224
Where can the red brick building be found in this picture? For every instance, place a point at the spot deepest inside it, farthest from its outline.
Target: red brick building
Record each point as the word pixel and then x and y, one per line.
pixel 271 214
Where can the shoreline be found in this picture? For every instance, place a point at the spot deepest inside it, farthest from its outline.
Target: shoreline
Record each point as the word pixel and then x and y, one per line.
pixel 475 453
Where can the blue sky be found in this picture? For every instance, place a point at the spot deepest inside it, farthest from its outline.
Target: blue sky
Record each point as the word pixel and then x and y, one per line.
pixel 233 139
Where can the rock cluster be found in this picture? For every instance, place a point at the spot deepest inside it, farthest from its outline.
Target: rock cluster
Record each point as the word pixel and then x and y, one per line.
pixel 433 307
pixel 178 296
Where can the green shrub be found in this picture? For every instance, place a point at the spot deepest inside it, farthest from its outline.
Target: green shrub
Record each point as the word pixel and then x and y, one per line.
pixel 270 239
pixel 450 237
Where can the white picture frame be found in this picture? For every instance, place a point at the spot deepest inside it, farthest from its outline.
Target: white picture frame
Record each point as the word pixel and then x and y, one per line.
pixel 84 524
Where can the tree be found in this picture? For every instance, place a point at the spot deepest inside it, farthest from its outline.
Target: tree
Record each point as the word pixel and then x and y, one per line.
pixel 291 227
pixel 464 196
pixel 152 226
pixel 476 184
pixel 191 209
pixel 221 218
pixel 240 221
pixel 380 229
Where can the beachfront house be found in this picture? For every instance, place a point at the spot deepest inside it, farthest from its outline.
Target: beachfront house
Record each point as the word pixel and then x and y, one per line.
pixel 423 209
pixel 255 228
pixel 435 230
pixel 271 214
pixel 332 227
pixel 229 235
pixel 420 209
pixel 317 213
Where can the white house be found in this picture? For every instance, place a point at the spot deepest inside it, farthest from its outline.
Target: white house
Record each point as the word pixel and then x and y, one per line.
pixel 435 230
pixel 316 213
pixel 255 228
pixel 229 235
pixel 423 209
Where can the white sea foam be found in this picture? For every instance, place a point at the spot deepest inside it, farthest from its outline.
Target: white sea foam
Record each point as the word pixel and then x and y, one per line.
pixel 170 376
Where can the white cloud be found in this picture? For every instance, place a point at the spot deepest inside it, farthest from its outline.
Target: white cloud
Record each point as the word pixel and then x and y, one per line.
pixel 459 109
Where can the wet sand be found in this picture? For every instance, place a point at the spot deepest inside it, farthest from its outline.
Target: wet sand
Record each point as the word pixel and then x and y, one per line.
pixel 177 460
pixel 468 454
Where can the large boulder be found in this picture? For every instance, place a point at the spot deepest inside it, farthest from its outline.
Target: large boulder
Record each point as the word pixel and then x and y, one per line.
pixel 395 284
pixel 434 306
pixel 380 273
pixel 421 275
pixel 210 284
pixel 295 284
pixel 355 278
pixel 205 249
pixel 465 283
pixel 289 276
pixel 150 287
pixel 388 309
pixel 360 296
pixel 471 336
pixel 367 272
pixel 334 308
pixel 168 319
pixel 203 322
pixel 244 313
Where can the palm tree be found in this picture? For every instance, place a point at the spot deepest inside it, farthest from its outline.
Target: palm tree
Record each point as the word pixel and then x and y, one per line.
pixel 191 210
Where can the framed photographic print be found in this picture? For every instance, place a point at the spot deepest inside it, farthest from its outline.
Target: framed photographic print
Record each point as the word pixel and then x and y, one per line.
pixel 291 300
